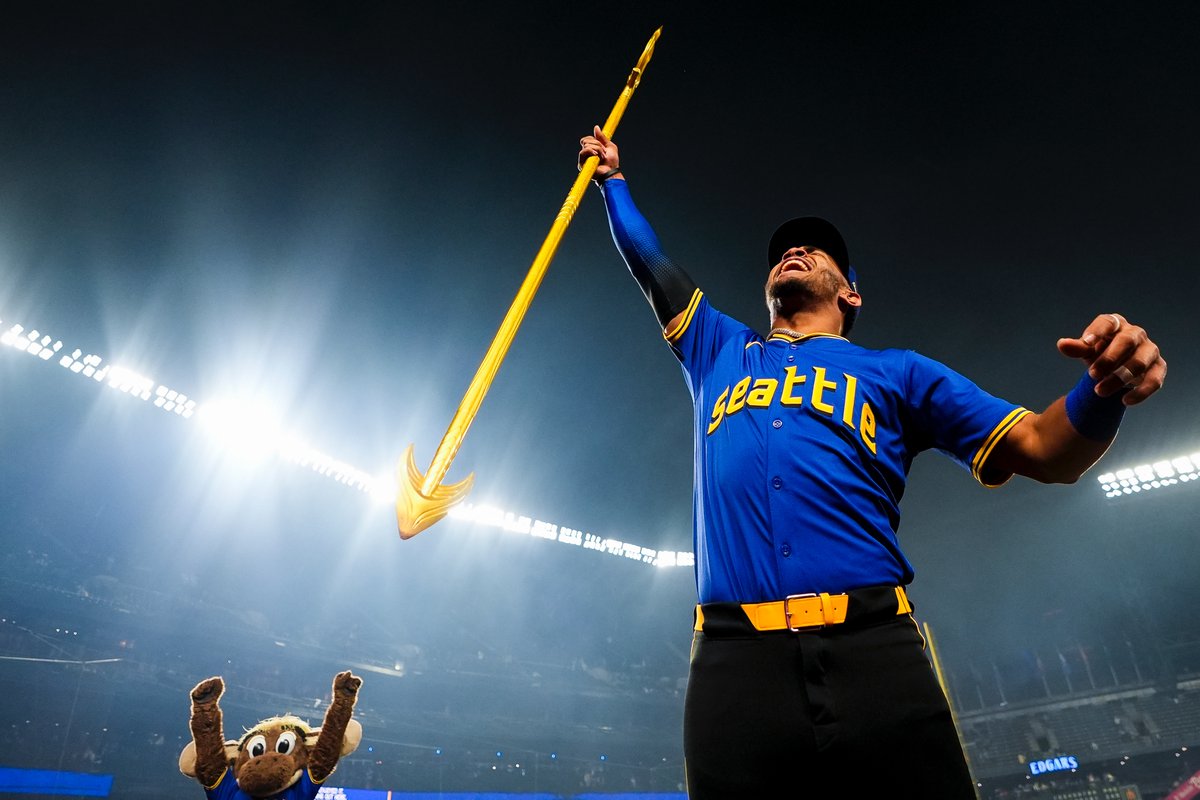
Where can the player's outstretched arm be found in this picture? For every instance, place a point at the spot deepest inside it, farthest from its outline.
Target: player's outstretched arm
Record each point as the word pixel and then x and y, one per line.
pixel 667 287
pixel 1124 367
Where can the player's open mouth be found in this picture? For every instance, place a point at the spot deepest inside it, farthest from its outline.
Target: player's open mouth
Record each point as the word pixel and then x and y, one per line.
pixel 796 263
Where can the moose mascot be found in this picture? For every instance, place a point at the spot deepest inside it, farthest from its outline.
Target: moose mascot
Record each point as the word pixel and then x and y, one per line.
pixel 280 758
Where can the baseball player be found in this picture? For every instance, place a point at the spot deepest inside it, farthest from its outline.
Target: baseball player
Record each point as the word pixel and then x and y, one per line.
pixel 808 674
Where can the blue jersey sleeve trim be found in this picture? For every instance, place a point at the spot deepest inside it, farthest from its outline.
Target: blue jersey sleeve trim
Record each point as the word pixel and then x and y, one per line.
pixel 979 462
pixel 674 334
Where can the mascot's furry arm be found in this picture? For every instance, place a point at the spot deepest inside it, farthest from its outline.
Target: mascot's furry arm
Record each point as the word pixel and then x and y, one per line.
pixel 207 733
pixel 328 749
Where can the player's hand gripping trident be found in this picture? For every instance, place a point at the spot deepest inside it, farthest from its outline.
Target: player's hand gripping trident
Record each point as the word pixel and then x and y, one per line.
pixel 603 148
pixel 1119 356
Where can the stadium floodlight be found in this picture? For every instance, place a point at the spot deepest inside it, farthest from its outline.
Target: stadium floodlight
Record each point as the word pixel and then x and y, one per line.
pixel 251 430
pixel 247 428
pixel 1146 477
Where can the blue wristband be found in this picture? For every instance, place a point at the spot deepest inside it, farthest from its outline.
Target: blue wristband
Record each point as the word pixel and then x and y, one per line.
pixel 1096 418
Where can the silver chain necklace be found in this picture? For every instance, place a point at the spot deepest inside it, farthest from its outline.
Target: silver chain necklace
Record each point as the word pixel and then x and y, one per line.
pixel 786 332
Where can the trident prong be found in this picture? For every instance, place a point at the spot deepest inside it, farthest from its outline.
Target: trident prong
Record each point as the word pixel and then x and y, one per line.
pixel 414 510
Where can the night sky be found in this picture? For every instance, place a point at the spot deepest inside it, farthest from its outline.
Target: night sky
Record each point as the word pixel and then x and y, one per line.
pixel 335 206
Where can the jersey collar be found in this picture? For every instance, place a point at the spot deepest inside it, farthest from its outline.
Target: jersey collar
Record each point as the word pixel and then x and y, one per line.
pixel 783 337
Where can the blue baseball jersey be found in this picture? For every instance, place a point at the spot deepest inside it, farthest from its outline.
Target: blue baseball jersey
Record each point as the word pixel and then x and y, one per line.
pixel 802 449
pixel 226 788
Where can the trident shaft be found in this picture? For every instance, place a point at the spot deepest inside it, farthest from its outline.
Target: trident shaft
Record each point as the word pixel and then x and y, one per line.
pixel 422 500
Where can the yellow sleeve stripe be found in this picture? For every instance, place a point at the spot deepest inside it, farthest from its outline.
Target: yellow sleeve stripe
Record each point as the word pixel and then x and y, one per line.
pixel 673 335
pixel 993 438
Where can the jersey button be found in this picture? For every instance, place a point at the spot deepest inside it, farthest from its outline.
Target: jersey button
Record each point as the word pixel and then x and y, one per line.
pixel 776 423
pixel 791 358
pixel 777 482
pixel 786 550
pixel 793 347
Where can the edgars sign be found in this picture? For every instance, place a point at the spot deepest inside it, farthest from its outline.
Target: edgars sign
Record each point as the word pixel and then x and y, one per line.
pixel 1056 764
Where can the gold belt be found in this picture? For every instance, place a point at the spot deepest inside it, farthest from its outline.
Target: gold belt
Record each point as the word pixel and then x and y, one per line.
pixel 801 611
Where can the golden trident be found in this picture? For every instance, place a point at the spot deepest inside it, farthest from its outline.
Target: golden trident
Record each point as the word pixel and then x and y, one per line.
pixel 422 500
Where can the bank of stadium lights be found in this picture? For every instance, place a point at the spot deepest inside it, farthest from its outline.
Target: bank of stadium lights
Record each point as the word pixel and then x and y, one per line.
pixel 1147 477
pixel 92 366
pixel 251 429
pixel 491 516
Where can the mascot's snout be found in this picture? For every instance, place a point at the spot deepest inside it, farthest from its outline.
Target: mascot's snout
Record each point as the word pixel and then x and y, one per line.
pixel 268 774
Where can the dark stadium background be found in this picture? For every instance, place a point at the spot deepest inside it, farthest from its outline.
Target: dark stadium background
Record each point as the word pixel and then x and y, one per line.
pixel 334 206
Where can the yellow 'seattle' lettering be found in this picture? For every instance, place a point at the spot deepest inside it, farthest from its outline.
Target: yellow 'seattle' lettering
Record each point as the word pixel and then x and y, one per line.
pixel 738 396
pixel 823 397
pixel 848 403
pixel 790 382
pixel 866 427
pixel 760 396
pixel 818 391
pixel 718 412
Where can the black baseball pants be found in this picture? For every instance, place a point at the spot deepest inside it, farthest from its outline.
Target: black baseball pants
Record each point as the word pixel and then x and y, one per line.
pixel 847 711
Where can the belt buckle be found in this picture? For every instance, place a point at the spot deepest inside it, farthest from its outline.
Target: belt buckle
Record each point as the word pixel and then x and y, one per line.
pixel 787 613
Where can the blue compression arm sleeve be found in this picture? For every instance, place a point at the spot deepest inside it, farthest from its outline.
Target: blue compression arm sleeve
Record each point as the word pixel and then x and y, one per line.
pixel 668 288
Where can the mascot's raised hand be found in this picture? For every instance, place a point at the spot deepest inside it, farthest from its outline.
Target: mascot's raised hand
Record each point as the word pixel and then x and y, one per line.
pixel 279 758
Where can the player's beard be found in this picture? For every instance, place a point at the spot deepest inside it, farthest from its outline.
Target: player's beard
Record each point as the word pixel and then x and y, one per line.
pixel 802 293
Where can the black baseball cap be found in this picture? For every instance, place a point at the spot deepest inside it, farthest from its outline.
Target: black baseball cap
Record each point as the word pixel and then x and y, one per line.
pixel 812 231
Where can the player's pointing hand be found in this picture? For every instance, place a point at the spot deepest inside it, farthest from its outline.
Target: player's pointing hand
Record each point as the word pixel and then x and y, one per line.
pixel 598 144
pixel 1119 355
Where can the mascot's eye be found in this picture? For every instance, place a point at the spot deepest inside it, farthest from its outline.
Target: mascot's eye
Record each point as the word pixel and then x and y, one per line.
pixel 286 743
pixel 256 746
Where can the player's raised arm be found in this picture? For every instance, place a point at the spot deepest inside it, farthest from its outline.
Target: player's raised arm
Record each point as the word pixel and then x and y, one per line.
pixel 1124 367
pixel 668 288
